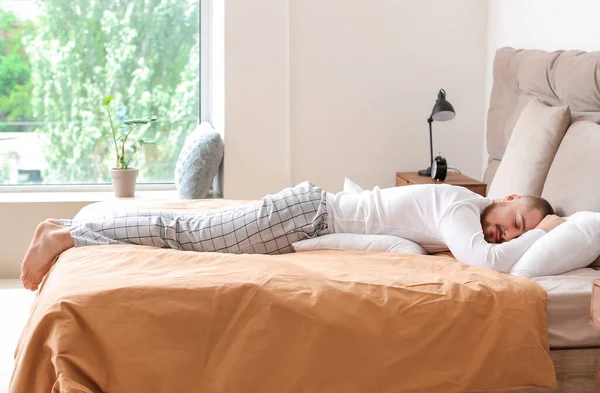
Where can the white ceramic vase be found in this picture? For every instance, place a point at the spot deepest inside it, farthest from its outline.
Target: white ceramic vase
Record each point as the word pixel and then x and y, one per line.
pixel 123 181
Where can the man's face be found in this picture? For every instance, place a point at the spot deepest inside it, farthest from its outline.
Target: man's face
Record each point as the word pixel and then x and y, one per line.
pixel 509 219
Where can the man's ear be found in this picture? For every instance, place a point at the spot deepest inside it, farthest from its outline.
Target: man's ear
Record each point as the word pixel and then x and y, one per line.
pixel 511 198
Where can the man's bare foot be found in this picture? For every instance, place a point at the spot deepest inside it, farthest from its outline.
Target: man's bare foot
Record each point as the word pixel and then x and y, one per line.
pixel 49 240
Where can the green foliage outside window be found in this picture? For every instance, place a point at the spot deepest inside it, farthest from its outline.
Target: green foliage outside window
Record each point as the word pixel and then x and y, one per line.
pixel 15 72
pixel 145 51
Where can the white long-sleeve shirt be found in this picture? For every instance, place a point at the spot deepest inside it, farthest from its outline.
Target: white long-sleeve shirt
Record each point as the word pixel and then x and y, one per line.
pixel 438 217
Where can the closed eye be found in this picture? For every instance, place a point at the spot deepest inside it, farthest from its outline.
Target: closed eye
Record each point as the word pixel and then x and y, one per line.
pixel 516 225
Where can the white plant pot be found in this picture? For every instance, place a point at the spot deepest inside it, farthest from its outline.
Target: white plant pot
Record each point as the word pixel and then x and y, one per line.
pixel 123 181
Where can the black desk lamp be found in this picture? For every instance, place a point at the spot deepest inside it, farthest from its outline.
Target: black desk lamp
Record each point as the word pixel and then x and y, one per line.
pixel 442 111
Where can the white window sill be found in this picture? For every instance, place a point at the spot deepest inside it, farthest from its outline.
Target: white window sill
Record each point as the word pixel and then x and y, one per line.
pixel 86 196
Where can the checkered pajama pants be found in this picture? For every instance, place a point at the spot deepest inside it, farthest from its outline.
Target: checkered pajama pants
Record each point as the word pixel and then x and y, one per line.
pixel 269 226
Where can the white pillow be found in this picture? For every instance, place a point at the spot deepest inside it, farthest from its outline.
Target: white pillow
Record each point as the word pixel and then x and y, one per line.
pixel 530 150
pixel 571 245
pixel 358 242
pixel 350 186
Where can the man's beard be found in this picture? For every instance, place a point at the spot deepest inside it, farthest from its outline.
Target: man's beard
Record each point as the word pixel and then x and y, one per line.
pixel 486 225
pixel 485 213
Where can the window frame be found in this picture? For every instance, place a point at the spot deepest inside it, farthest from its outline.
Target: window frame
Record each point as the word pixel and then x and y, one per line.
pixel 206 110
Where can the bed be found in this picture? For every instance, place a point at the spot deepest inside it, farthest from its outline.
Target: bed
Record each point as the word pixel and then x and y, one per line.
pixel 130 318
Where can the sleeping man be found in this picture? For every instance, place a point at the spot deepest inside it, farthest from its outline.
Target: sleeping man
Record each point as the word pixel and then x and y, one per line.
pixel 478 231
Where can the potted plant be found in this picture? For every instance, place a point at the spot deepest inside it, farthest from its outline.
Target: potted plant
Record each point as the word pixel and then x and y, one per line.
pixel 124 177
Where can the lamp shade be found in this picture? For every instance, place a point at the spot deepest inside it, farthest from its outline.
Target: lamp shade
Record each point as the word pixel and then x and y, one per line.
pixel 442 110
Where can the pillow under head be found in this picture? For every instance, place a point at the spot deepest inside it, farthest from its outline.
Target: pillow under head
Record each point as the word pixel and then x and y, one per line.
pixel 571 245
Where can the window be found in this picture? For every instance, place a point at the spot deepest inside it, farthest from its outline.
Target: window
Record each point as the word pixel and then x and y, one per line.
pixel 59 58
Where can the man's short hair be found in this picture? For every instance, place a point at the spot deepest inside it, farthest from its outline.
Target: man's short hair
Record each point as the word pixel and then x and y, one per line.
pixel 538 203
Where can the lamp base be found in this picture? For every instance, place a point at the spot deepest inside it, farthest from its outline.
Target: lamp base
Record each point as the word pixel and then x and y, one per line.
pixel 425 172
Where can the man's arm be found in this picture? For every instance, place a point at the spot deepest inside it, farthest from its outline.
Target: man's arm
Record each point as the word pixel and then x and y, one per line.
pixel 461 231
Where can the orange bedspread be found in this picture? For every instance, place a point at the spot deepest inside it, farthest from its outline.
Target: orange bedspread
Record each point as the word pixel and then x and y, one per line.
pixel 140 319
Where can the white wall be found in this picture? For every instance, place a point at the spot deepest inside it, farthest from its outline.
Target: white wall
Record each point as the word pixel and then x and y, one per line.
pixel 541 24
pixel 256 98
pixel 321 90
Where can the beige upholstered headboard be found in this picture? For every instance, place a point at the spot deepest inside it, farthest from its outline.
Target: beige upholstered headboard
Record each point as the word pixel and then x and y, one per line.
pixel 558 78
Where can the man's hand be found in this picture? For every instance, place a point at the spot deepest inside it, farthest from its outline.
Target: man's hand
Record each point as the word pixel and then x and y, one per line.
pixel 550 222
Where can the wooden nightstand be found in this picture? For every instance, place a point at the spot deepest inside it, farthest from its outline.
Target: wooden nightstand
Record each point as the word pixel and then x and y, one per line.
pixel 453 178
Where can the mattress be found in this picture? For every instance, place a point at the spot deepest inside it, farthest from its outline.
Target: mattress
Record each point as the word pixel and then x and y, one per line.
pixel 569 299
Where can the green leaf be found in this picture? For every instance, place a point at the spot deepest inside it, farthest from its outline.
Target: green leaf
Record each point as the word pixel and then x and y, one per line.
pixel 143 120
pixel 107 100
pixel 123 162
